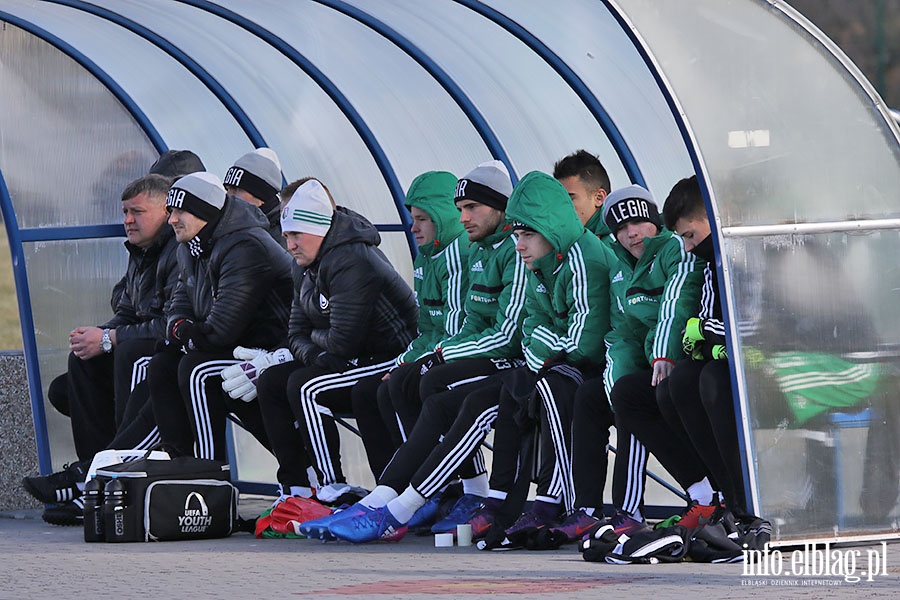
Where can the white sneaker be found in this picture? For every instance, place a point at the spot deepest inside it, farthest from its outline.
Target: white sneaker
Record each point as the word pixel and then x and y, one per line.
pixel 299 492
pixel 331 492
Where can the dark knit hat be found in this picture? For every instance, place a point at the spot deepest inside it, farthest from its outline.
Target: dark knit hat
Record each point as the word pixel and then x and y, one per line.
pixel 520 226
pixel 632 203
pixel 488 184
pixel 200 194
pixel 257 172
pixel 177 163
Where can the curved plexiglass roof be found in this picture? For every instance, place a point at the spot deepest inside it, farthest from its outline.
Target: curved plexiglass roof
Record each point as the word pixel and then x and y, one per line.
pixel 802 165
pixel 783 131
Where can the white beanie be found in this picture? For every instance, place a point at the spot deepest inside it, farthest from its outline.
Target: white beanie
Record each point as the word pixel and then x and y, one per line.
pixel 308 211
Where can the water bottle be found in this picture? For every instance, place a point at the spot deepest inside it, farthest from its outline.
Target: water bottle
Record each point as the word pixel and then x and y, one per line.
pixel 93 511
pixel 115 513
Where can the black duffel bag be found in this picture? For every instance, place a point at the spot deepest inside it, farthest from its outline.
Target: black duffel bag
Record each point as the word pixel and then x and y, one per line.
pixel 183 498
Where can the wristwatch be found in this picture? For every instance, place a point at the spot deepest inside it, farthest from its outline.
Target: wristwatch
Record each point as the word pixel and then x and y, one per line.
pixel 106 343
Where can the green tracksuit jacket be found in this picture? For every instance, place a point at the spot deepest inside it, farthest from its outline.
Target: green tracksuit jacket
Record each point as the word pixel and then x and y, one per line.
pixel 495 306
pixel 598 226
pixel 653 299
pixel 441 269
pixel 567 303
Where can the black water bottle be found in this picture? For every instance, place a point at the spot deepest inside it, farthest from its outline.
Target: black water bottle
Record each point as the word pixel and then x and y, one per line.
pixel 115 513
pixel 93 511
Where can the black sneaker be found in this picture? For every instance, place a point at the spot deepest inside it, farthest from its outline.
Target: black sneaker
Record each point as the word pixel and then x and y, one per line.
pixel 66 514
pixel 347 495
pixel 56 488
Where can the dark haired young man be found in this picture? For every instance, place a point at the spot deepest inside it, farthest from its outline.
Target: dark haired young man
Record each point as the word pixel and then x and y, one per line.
pixel 587 183
pixel 586 180
pixel 696 398
pixel 234 289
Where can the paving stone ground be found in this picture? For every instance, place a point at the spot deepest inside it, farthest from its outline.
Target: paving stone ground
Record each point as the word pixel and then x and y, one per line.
pixel 41 561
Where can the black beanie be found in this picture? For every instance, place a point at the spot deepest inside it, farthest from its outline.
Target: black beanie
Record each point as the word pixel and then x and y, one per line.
pixel 520 226
pixel 200 194
pixel 488 184
pixel 257 172
pixel 177 163
pixel 632 203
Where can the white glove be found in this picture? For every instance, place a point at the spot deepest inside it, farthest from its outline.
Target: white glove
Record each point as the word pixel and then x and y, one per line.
pixel 239 381
pixel 248 354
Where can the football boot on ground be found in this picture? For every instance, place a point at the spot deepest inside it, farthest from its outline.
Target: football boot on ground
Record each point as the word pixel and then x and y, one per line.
pixel 577 525
pixel 482 520
pixel 318 528
pixel 372 525
pixel 426 515
pixel 697 515
pixel 462 512
pixel 623 524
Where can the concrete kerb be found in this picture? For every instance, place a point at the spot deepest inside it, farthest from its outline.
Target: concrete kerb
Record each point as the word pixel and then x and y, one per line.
pixel 18 450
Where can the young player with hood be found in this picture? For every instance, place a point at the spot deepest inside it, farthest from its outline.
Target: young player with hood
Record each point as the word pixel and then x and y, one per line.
pixel 567 316
pixel 440 281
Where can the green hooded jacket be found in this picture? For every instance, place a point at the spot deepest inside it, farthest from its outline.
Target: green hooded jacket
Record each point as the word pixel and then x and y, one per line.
pixel 495 306
pixel 654 296
pixel 568 297
pixel 598 226
pixel 441 269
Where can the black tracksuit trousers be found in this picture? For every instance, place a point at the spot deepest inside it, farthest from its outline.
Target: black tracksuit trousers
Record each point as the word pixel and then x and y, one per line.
pixel 294 399
pixel 98 390
pixel 634 400
pixel 190 406
pixel 592 416
pixel 696 400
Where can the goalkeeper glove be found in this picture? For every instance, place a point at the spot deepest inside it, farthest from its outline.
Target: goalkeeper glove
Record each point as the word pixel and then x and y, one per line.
pixel 719 352
pixel 692 342
pixel 239 381
pixel 189 335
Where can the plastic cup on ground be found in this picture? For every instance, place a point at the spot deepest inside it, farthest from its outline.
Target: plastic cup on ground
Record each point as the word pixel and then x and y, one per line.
pixel 464 534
